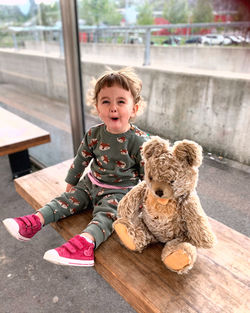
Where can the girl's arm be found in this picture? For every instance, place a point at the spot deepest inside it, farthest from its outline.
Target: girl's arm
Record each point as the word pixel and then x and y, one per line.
pixel 68 187
pixel 82 159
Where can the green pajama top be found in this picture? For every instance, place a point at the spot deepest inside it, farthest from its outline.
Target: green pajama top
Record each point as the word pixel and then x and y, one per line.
pixel 116 158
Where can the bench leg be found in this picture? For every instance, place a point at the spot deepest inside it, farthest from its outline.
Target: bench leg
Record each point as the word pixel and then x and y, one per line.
pixel 20 163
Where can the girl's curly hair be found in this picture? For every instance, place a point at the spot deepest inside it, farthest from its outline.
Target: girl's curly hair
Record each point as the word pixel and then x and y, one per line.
pixel 125 77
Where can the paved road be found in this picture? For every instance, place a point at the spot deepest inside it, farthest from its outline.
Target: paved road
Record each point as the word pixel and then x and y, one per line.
pixel 224 192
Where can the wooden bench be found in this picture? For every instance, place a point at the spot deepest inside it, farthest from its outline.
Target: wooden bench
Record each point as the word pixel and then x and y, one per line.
pixel 219 281
pixel 16 136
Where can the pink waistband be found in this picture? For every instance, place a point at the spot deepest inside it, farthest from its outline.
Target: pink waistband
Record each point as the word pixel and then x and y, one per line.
pixel 98 183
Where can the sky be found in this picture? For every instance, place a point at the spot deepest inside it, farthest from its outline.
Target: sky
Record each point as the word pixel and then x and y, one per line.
pixel 24 5
pixel 23 2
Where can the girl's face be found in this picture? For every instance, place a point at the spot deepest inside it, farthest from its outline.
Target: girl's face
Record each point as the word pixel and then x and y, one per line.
pixel 115 107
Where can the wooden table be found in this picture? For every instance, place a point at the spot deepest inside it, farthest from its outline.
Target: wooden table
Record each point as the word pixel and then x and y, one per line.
pixel 16 136
pixel 218 282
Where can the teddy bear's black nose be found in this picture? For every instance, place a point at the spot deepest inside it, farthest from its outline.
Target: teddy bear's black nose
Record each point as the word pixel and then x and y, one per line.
pixel 159 192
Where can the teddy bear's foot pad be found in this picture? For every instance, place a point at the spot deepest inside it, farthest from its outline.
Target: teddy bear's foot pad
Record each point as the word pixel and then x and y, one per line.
pixel 126 239
pixel 177 260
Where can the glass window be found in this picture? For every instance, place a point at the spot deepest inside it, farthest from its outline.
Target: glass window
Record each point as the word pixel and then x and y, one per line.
pixel 32 77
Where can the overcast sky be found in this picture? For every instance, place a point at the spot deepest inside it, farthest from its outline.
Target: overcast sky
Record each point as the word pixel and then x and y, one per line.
pixel 23 2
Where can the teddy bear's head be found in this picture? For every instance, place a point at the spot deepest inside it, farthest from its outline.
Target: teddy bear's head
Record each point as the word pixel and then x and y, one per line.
pixel 171 172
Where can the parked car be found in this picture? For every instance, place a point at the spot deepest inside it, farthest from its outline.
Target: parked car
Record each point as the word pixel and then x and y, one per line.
pixel 195 39
pixel 135 40
pixel 212 39
pixel 227 41
pixel 235 40
pixel 171 41
pixel 242 39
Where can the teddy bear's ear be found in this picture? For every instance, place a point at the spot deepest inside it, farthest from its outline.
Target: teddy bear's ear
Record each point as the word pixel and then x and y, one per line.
pixel 154 147
pixel 188 151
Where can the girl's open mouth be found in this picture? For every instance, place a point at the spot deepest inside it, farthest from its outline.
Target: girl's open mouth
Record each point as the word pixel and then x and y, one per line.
pixel 114 118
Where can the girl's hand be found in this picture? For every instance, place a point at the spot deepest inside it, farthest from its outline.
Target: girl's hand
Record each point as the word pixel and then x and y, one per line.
pixel 68 187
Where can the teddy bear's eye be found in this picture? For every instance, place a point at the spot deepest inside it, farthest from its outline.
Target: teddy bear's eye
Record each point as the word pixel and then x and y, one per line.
pixel 171 182
pixel 150 178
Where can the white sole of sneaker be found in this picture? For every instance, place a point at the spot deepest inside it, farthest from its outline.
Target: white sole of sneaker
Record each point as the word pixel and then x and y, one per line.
pixel 13 228
pixel 53 257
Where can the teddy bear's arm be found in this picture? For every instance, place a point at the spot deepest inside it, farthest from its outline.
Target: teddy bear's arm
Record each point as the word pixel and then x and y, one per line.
pixel 131 202
pixel 199 230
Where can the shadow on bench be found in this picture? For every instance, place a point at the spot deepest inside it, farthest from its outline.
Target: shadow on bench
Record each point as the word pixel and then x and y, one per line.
pixel 219 281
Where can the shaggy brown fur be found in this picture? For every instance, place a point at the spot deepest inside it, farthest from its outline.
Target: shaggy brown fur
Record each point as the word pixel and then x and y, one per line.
pixel 165 207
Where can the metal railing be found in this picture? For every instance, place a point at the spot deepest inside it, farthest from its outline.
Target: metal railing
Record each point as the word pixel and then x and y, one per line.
pixel 145 31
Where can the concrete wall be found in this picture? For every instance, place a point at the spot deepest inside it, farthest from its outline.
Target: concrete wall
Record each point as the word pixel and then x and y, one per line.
pixel 210 109
pixel 214 111
pixel 236 59
pixel 218 58
pixel 44 75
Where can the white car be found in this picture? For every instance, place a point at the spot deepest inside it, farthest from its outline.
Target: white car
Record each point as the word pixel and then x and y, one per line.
pixel 135 40
pixel 242 39
pixel 212 39
pixel 227 41
pixel 235 39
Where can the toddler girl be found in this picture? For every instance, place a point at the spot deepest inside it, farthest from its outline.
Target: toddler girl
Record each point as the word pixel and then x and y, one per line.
pixel 114 149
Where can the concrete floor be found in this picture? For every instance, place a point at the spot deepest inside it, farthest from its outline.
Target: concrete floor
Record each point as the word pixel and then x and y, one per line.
pixel 29 284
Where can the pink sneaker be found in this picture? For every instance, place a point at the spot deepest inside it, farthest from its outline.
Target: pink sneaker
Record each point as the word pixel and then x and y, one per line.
pixel 23 228
pixel 76 252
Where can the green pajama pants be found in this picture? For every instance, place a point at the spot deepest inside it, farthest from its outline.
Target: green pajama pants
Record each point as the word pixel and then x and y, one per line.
pixel 81 197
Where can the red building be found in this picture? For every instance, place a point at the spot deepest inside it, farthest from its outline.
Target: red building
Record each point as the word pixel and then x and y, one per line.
pixel 161 21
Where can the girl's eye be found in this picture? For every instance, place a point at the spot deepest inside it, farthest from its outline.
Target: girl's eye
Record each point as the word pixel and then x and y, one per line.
pixel 105 101
pixel 121 102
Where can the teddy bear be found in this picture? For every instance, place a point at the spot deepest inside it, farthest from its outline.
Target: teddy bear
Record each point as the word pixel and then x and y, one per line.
pixel 165 207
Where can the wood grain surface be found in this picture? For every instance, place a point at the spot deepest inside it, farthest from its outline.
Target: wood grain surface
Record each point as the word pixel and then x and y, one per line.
pixel 17 134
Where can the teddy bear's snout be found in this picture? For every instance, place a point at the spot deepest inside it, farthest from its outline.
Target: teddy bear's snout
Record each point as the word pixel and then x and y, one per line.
pixel 162 190
pixel 159 192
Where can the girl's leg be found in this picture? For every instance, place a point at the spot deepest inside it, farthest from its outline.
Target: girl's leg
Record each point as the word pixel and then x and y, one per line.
pixel 79 251
pixel 25 227
pixel 67 204
pixel 104 214
pixel 40 217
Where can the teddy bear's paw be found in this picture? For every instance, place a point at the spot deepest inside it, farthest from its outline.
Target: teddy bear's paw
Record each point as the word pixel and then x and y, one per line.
pixel 177 260
pixel 124 236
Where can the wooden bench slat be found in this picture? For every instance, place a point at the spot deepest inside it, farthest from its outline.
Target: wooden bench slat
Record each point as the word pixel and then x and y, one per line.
pixel 219 281
pixel 234 251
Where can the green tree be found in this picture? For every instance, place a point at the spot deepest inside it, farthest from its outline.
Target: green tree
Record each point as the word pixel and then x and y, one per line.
pixel 11 14
pixel 145 14
pixel 48 14
pixel 96 12
pixel 203 12
pixel 176 11
pixel 121 3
